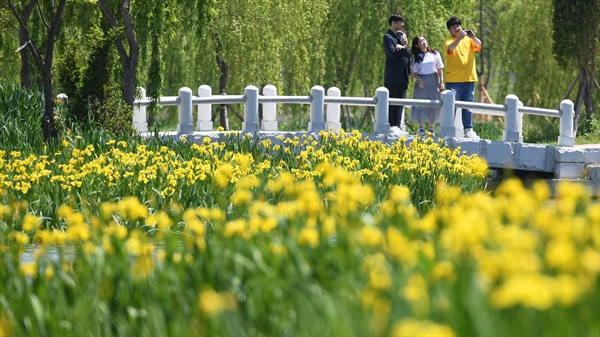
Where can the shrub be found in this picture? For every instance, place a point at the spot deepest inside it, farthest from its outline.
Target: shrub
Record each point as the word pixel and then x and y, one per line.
pixel 538 129
pixel 588 126
pixel 20 115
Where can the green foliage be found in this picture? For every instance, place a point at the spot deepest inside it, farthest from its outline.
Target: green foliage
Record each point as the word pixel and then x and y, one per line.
pixel 68 71
pixel 91 91
pixel 522 56
pixel 97 101
pixel 303 43
pixel 158 34
pixel 20 115
pixel 297 44
pixel 114 115
pixel 155 79
pixel 493 130
pixel 539 129
pixel 157 18
pixel 576 24
pixel 589 126
pixel 8 40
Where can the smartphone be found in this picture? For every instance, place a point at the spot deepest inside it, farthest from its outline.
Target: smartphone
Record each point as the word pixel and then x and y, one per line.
pixel 468 31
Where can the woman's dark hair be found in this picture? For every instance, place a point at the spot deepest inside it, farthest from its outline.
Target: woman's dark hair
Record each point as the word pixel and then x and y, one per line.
pixel 452 22
pixel 416 51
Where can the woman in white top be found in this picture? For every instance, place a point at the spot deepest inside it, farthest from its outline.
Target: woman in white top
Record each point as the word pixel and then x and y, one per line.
pixel 427 69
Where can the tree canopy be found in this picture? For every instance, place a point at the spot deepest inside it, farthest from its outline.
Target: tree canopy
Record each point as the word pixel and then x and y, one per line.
pixel 576 39
pixel 296 44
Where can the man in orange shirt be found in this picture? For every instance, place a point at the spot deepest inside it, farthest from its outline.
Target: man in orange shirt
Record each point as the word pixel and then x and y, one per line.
pixel 461 73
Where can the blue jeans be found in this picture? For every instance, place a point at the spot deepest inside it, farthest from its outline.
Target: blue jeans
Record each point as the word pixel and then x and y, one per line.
pixel 463 91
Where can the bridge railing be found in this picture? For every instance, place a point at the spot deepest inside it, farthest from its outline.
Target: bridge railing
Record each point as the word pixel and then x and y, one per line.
pixel 325 111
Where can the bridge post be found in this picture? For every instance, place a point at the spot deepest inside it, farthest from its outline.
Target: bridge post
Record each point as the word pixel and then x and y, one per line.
pixel 185 126
pixel 140 121
pixel 511 120
pixel 403 119
pixel 250 123
pixel 317 109
pixel 204 122
pixel 520 123
pixel 566 137
pixel 333 110
pixel 382 122
pixel 269 121
pixel 448 129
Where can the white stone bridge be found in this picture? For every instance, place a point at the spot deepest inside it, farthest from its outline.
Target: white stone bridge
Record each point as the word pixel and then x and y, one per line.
pixel 563 161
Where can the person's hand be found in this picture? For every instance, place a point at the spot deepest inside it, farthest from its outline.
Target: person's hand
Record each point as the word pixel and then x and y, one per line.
pixel 398 47
pixel 404 39
pixel 441 87
pixel 420 83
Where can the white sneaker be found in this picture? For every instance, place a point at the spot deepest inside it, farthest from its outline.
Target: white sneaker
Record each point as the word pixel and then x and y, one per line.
pixel 394 130
pixel 469 133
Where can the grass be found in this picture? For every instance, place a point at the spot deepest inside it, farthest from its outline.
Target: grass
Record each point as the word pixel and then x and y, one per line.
pixel 593 139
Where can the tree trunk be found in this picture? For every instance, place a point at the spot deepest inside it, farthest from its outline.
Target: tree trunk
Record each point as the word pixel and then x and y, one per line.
pixel 44 62
pixel 572 85
pixel 48 128
pixel 25 70
pixel 129 61
pixel 129 83
pixel 23 40
pixel 579 100
pixel 367 109
pixel 585 96
pixel 348 117
pixel 223 80
pixel 589 92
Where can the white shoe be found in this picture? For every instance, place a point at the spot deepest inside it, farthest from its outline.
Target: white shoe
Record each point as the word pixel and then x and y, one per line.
pixel 394 130
pixel 469 133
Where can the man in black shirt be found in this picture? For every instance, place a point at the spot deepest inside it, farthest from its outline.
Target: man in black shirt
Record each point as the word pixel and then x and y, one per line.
pixel 397 65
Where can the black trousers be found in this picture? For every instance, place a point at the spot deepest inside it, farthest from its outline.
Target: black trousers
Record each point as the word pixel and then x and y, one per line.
pixel 397 90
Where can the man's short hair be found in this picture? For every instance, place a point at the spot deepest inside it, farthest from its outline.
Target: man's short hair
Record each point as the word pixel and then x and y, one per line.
pixel 395 17
pixel 452 22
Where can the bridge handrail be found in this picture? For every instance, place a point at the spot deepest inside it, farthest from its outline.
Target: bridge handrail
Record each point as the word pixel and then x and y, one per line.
pixel 477 106
pixel 163 101
pixel 285 99
pixel 221 99
pixel 540 112
pixel 328 105
pixel 416 102
pixel 361 101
